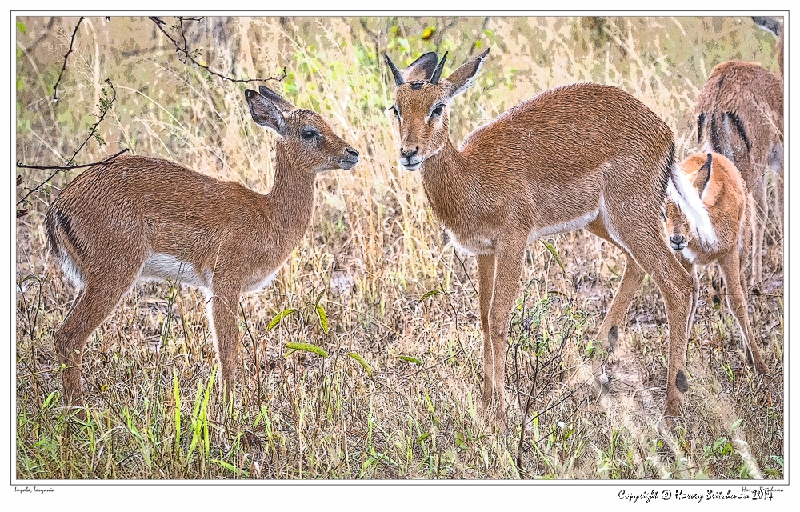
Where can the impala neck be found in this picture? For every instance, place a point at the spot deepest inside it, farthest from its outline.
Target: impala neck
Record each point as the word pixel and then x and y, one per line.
pixel 292 196
pixel 444 178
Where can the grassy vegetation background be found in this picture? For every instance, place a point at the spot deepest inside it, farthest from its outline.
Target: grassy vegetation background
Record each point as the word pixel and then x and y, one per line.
pixel 373 283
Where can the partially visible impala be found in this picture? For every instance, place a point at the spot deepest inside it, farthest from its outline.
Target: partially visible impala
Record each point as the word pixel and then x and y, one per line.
pixel 579 156
pixel 146 218
pixel 740 115
pixel 728 203
pixel 724 195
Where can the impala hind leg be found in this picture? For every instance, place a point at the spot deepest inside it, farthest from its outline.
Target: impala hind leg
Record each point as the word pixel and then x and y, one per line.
pixel 737 303
pixel 757 187
pixel 630 284
pixel 92 306
pixel 486 264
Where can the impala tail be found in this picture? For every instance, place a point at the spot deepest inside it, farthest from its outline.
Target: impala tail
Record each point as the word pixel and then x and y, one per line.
pixel 62 241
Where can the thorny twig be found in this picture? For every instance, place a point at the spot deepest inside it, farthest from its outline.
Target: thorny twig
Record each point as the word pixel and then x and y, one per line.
pixel 184 50
pixel 64 65
pixel 557 356
pixel 105 106
pixel 475 43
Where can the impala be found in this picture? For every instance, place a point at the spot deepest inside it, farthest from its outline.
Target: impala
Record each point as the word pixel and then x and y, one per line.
pixel 579 156
pixel 146 218
pixel 740 115
pixel 729 206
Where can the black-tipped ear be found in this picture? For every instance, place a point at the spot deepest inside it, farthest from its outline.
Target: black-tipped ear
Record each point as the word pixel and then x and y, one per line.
pixel 264 112
pixel 280 102
pixel 398 77
pixel 421 69
pixel 703 176
pixel 462 78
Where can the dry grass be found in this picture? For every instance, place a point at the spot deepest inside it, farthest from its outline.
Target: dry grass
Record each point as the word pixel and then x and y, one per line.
pixel 371 259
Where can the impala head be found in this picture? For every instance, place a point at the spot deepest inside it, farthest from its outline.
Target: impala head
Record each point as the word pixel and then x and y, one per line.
pixel 679 232
pixel 422 101
pixel 306 137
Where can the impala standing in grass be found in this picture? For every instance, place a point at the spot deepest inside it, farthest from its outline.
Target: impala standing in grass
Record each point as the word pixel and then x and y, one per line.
pixel 730 207
pixel 146 218
pixel 580 156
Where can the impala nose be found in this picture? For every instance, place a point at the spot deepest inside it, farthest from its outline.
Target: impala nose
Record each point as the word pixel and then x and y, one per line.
pixel 410 159
pixel 350 159
pixel 678 242
pixel 408 155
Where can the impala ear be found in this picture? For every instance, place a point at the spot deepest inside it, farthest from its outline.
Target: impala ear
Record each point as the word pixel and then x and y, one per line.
pixel 265 112
pixel 421 69
pixel 462 78
pixel 703 177
pixel 280 102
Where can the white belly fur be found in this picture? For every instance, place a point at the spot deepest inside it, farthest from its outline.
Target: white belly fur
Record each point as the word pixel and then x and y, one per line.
pixel 485 245
pixel 260 285
pixel 163 267
pixel 571 225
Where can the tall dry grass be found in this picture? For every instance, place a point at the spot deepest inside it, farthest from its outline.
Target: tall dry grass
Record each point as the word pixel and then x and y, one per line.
pixel 398 395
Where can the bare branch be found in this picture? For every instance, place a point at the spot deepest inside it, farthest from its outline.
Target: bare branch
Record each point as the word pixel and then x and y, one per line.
pixel 64 65
pixel 58 168
pixel 184 50
pixel 475 43
pixel 70 167
pixel 105 106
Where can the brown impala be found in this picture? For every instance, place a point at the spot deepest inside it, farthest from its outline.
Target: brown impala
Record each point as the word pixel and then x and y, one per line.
pixel 740 114
pixel 724 195
pixel 580 156
pixel 146 218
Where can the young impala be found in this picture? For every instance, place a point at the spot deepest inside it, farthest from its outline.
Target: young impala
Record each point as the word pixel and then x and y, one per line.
pixel 146 218
pixel 725 197
pixel 580 156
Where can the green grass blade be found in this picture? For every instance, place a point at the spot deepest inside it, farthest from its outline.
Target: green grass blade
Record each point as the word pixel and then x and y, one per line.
pixel 552 250
pixel 306 347
pixel 431 293
pixel 362 362
pixel 177 395
pixel 410 359
pixel 280 316
pixel 323 318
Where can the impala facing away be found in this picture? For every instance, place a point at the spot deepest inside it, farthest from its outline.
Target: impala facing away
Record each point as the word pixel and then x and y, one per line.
pixel 579 156
pixel 147 218
pixel 728 203
pixel 740 115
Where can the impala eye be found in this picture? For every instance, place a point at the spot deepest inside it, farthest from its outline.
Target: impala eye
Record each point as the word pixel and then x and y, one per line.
pixel 309 134
pixel 437 110
pixel 396 112
pixel 663 215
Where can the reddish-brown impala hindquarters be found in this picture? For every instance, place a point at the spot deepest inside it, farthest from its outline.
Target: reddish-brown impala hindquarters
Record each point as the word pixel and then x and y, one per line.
pixel 579 156
pixel 146 218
